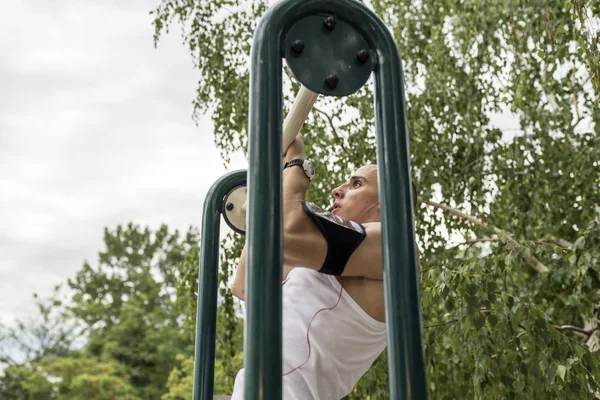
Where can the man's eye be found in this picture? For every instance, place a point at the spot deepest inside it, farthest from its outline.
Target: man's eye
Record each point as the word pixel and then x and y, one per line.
pixel 356 184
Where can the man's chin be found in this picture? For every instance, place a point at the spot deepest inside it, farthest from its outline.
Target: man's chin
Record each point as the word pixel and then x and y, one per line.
pixel 339 213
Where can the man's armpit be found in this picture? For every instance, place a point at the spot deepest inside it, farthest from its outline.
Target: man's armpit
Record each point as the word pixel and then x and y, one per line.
pixel 367 259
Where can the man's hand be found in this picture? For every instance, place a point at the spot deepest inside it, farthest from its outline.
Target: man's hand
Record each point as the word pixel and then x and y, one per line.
pixel 296 150
pixel 295 182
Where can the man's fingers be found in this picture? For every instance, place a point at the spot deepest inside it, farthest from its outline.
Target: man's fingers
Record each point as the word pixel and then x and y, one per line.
pixel 295 149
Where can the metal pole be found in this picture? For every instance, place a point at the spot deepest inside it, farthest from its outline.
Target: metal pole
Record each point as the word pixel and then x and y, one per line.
pixel 402 307
pixel 206 313
pixel 262 338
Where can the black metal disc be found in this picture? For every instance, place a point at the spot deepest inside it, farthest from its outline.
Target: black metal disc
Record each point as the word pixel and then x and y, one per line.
pixel 327 55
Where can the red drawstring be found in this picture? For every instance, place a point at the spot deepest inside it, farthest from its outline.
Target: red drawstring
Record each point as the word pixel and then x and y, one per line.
pixel 308 329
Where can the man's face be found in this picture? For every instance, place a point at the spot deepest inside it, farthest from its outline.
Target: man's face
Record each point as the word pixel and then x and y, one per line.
pixel 357 199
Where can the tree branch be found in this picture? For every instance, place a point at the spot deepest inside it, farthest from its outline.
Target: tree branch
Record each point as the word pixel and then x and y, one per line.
pixel 575 100
pixel 579 119
pixel 7 359
pixel 441 324
pixel 565 244
pixel 477 240
pixel 532 261
pixel 519 336
pixel 332 128
pixel 581 331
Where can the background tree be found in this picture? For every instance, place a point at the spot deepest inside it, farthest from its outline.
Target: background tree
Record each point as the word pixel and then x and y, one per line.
pixel 229 334
pixel 48 333
pixel 508 215
pixel 128 303
pixel 115 334
pixel 77 378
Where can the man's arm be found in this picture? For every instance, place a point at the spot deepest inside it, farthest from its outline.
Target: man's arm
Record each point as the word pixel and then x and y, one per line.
pixel 238 288
pixel 305 246
pixel 295 185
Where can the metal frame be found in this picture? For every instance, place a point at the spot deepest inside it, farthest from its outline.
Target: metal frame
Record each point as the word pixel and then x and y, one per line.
pixel 208 284
pixel 262 336
pixel 263 286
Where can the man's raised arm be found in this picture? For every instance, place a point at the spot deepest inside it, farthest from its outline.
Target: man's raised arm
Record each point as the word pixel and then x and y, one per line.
pixel 295 186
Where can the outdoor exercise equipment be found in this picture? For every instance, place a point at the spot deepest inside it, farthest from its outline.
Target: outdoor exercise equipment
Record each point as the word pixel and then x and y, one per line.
pixel 331 47
pixel 235 201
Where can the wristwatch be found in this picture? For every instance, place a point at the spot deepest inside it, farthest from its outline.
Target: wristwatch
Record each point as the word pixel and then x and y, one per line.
pixel 307 166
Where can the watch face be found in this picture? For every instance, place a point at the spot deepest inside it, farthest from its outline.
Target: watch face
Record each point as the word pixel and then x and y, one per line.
pixel 309 168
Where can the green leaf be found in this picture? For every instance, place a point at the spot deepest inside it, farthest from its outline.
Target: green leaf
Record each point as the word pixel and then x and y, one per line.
pixel 593 384
pixel 518 385
pixel 478 321
pixel 561 370
pixel 551 373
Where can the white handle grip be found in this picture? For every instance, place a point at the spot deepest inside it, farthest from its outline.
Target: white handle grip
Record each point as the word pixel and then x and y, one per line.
pixel 293 122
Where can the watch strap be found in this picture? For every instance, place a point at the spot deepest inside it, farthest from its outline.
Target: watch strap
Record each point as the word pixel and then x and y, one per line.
pixel 292 163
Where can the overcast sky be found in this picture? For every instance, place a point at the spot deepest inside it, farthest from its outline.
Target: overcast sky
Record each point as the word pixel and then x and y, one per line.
pixel 95 131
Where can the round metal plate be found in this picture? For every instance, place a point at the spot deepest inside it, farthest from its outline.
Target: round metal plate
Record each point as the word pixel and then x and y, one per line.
pixel 320 48
pixel 234 211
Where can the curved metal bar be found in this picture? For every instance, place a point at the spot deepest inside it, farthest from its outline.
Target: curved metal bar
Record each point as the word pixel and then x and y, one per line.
pixel 263 286
pixel 208 284
pixel 262 333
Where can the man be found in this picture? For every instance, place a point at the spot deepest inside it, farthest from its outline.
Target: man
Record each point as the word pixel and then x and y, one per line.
pixel 332 293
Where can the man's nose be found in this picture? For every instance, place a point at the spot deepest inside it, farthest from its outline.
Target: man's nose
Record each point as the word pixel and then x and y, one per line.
pixel 337 193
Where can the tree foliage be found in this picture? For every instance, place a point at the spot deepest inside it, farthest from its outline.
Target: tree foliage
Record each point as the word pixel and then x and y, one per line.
pixel 48 332
pixel 77 378
pixel 118 333
pixel 229 334
pixel 128 301
pixel 503 114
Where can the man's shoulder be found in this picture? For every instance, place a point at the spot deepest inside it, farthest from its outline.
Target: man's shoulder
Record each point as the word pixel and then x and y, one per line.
pixel 372 228
pixel 372 225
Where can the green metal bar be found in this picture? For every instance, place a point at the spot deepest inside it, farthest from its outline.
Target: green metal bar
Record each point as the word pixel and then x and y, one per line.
pixel 262 336
pixel 206 317
pixel 263 286
pixel 402 307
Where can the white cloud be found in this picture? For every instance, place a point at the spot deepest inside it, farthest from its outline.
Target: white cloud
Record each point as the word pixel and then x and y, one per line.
pixel 95 130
